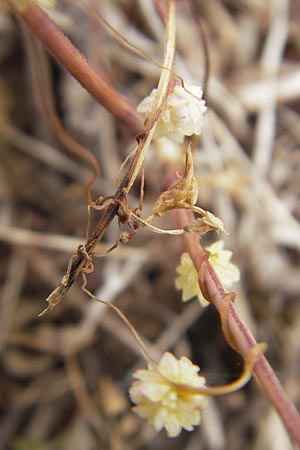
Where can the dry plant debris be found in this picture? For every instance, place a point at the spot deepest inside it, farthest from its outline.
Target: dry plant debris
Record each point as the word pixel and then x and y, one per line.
pixel 64 377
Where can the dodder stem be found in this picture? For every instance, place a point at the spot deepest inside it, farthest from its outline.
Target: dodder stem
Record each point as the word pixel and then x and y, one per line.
pixel 75 62
pixel 241 335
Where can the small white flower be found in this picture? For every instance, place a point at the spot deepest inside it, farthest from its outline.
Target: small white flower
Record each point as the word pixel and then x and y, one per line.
pixel 163 404
pixel 219 258
pixel 187 281
pixel 182 114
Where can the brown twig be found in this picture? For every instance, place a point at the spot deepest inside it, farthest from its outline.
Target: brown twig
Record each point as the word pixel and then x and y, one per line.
pixel 82 260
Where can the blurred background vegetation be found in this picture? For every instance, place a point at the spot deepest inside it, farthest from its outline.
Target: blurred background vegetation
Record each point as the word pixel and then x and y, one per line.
pixel 64 377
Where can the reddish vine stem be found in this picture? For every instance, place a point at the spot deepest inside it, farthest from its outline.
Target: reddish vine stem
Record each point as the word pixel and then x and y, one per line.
pixel 63 50
pixel 243 338
pixel 75 62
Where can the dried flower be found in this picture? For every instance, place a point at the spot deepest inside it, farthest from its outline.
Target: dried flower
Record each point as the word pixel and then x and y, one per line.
pixel 187 281
pixel 163 403
pixel 181 115
pixel 208 222
pixel 182 193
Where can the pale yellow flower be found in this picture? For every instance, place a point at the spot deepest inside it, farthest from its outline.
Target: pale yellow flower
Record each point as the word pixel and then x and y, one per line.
pixel 219 258
pixel 187 281
pixel 163 404
pixel 182 114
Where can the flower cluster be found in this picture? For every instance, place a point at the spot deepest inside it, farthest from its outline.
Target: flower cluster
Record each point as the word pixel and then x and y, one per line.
pixel 187 281
pixel 181 115
pixel 159 399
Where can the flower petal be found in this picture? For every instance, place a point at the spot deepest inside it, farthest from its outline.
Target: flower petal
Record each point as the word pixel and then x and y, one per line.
pixel 163 403
pixel 181 115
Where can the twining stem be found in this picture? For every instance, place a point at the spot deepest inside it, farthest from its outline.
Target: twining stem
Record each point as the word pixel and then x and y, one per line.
pixel 214 391
pixel 240 333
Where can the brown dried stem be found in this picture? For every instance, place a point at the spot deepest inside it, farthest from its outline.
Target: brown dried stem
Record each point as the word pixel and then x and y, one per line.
pixel 81 262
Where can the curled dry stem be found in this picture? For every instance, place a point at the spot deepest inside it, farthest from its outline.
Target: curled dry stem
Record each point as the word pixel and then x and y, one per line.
pixel 203 266
pixel 211 391
pixel 224 314
pixel 111 210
